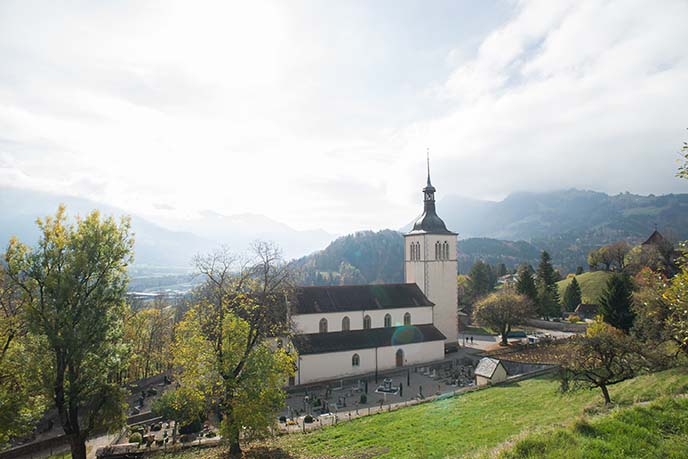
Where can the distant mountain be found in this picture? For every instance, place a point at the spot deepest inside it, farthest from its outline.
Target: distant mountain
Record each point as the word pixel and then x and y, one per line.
pixel 378 257
pixel 568 223
pixel 242 229
pixel 155 245
pixel 158 250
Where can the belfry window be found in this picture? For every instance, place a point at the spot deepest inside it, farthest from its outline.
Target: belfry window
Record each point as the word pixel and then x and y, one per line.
pixel 323 325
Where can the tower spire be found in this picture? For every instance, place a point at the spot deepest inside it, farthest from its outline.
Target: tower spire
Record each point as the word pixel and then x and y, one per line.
pixel 427 152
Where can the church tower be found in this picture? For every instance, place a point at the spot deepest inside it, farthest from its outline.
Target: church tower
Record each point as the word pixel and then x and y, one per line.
pixel 430 261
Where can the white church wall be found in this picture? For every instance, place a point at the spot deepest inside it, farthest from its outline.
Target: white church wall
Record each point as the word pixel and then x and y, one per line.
pixel 310 323
pixel 436 278
pixel 334 365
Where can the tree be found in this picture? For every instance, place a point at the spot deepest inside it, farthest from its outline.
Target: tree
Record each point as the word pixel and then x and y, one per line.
pixel 617 252
pixel 482 278
pixel 525 284
pixel 548 291
pixel 226 344
pixel 683 169
pixel 21 398
pixel 650 308
pixel 572 295
pixel 74 283
pixel 502 310
pixel 604 356
pixel 601 256
pixel 501 270
pixel 148 334
pixel 182 406
pixel 676 298
pixel 616 302
pixel 579 270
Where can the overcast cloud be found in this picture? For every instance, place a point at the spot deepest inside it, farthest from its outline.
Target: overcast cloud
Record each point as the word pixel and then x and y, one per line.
pixel 318 114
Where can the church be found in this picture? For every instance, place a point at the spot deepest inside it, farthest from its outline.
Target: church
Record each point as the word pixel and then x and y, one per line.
pixel 344 331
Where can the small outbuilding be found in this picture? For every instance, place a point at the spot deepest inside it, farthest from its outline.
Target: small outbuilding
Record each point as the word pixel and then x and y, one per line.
pixel 587 311
pixel 489 371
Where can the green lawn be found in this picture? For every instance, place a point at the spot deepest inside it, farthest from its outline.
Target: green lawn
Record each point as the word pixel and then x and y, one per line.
pixel 657 430
pixel 592 285
pixel 476 331
pixel 475 423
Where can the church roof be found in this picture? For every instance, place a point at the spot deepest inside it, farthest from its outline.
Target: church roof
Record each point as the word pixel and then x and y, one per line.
pixel 341 298
pixel 430 223
pixel 655 238
pixel 320 343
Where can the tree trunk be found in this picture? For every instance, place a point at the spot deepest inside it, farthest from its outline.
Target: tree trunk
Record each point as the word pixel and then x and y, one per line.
pixel 77 443
pixel 605 392
pixel 234 447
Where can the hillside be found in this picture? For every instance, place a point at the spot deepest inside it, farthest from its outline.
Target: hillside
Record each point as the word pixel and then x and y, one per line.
pixel 378 257
pixel 568 223
pixel 475 423
pixel 478 423
pixel 592 285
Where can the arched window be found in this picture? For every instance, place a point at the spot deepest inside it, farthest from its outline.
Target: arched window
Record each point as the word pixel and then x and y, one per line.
pixel 388 320
pixel 346 325
pixel 366 322
pixel 407 318
pixel 323 325
pixel 437 251
pixel 446 250
pixel 412 251
pixel 355 360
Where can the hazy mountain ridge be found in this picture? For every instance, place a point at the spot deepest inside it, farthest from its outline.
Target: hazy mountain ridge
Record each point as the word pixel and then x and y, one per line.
pixel 567 223
pixel 157 245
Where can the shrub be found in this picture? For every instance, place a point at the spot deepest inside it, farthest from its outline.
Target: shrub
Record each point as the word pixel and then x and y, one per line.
pixel 195 426
pixel 308 419
pixel 573 318
pixel 282 419
pixel 156 427
pixel 186 438
pixel 135 438
pixel 364 398
pixel 210 434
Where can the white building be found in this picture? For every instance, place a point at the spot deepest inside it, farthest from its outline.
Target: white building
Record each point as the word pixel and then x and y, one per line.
pixel 490 371
pixel 343 331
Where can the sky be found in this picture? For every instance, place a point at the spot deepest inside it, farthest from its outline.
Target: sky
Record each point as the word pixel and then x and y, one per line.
pixel 319 114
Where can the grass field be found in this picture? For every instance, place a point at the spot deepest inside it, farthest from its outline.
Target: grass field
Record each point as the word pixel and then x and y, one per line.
pixel 514 420
pixel 475 423
pixel 592 285
pixel 656 430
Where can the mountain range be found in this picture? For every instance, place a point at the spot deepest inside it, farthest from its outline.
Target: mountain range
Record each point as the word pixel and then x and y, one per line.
pixel 567 223
pixel 158 249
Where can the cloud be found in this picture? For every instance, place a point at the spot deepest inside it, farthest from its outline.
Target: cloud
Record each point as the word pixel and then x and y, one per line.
pixel 319 116
pixel 568 94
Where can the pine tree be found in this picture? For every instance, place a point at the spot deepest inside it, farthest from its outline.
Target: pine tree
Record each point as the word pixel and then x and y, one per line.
pixel 482 281
pixel 572 295
pixel 525 284
pixel 548 292
pixel 616 302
